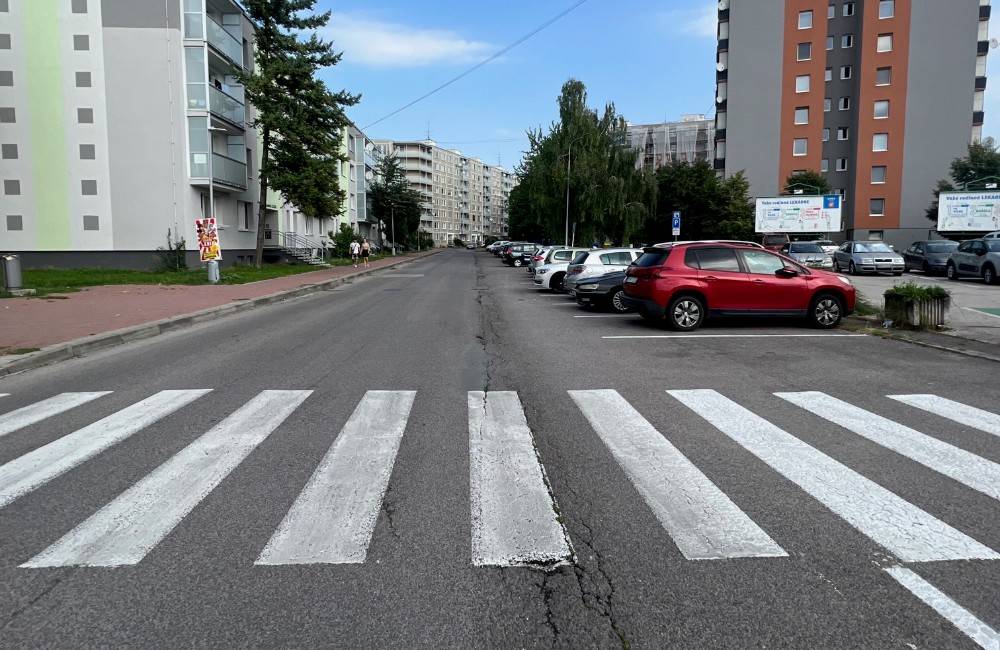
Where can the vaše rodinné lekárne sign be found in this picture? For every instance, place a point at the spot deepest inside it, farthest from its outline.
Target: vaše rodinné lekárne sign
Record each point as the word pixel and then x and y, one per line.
pixel 969 211
pixel 799 214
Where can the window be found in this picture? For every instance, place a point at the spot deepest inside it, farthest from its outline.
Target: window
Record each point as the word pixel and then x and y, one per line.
pixel 877 235
pixel 79 6
pixel 847 40
pixel 8 151
pixel 83 80
pixel 876 207
pixel 827 105
pixel 6 77
pixel 4 41
pixel 880 142
pixel 91 222
pixel 884 43
pixel 844 104
pixel 6 115
pixel 828 74
pixel 878 175
pixel 805 51
pixel 843 133
pixel 848 8
pixel 805 19
pixel 886 9
pixel 762 263
pixel 841 164
pixel 81 42
pixel 824 165
pixel 718 259
pixel 829 42
pixel 800 147
pixel 883 77
pixel 85 115
pixel 88 188
pixel 11 188
pixel 802 115
pixel 88 152
pixel 882 109
pixel 826 135
pixel 15 222
pixel 831 12
pixel 846 72
pixel 802 83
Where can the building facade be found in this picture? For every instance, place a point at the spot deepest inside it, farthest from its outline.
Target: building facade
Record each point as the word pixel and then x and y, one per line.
pixel 878 95
pixel 463 196
pixel 691 139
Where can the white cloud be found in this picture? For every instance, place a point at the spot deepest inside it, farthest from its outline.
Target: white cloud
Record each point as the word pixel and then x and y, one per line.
pixel 385 44
pixel 701 22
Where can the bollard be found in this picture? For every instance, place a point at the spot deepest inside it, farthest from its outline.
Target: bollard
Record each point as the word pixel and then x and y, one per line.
pixel 213 272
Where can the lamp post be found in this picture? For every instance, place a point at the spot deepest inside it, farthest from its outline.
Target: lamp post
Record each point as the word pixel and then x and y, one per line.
pixel 392 216
pixel 213 265
pixel 569 159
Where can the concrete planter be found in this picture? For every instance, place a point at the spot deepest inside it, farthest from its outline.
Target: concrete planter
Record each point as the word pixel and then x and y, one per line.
pixel 925 314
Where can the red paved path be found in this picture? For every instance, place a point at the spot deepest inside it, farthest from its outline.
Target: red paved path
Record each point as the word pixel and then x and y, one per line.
pixel 38 322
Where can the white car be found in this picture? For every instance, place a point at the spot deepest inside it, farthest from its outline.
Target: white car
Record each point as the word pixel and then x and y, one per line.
pixel 590 264
pixel 992 235
pixel 551 273
pixel 829 247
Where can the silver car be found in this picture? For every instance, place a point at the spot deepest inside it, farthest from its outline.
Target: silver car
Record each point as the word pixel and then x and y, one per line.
pixel 808 253
pixel 976 258
pixel 868 257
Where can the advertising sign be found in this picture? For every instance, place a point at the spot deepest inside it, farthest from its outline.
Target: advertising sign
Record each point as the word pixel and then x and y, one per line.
pixel 677 224
pixel 208 239
pixel 969 211
pixel 820 214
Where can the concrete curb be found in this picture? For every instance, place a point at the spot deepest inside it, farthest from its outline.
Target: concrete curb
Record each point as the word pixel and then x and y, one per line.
pixel 865 327
pixel 82 346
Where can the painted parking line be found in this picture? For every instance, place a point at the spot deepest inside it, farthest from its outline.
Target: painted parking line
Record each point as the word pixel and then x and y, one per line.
pixel 907 531
pixel 984 635
pixel 988 311
pixel 970 416
pixel 402 275
pixel 28 415
pixel 735 336
pixel 606 316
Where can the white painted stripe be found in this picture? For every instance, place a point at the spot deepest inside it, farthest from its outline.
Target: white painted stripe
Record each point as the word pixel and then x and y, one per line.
pixel 513 516
pixel 126 529
pixel 332 520
pixel 907 531
pixel 737 336
pixel 4 394
pixel 28 415
pixel 984 635
pixel 703 522
pixel 27 472
pixel 402 275
pixel 967 468
pixel 568 304
pixel 981 313
pixel 970 416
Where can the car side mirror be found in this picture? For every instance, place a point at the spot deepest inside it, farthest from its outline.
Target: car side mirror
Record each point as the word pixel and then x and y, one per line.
pixel 786 273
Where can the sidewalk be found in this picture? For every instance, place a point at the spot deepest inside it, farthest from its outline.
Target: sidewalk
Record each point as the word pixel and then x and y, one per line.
pixel 40 322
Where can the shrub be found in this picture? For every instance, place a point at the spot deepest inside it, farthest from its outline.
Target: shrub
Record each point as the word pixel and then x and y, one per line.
pixel 173 257
pixel 911 292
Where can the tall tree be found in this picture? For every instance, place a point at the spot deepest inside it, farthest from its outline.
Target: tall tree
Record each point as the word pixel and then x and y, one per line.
pixel 808 181
pixel 394 202
pixel 970 172
pixel 710 207
pixel 299 119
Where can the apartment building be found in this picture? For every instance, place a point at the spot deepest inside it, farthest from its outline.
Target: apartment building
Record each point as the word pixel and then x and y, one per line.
pixel 878 95
pixel 691 139
pixel 463 196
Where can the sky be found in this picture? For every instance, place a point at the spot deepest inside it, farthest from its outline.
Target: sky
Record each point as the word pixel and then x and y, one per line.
pixel 654 59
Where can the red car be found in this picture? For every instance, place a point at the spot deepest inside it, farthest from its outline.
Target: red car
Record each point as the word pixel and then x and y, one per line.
pixel 683 284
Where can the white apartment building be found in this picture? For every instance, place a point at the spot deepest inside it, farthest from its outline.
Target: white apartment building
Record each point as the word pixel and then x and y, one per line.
pixel 464 197
pixel 691 139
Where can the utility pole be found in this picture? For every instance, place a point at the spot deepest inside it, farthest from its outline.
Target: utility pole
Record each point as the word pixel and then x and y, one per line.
pixel 213 266
pixel 392 216
pixel 569 158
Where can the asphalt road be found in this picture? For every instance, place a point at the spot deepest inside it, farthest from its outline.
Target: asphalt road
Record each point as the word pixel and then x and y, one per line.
pixel 716 515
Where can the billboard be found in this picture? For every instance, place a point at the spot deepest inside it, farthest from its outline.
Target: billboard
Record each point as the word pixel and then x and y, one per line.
pixel 968 211
pixel 819 214
pixel 208 239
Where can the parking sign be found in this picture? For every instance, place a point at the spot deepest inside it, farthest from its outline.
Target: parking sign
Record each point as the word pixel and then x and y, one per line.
pixel 677 224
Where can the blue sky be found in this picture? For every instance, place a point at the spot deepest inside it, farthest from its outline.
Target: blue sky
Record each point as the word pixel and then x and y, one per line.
pixel 653 59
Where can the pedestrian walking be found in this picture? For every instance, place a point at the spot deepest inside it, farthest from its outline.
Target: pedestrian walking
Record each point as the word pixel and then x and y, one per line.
pixel 366 249
pixel 355 252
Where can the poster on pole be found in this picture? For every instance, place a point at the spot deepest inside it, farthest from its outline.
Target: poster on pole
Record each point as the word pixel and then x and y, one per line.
pixel 969 211
pixel 799 214
pixel 208 240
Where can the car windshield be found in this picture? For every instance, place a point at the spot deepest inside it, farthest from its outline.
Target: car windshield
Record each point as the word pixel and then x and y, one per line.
pixel 805 248
pixel 872 247
pixel 993 245
pixel 941 246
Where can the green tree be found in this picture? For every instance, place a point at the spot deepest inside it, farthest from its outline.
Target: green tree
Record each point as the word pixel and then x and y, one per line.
pixel 342 239
pixel 710 207
pixel 970 172
pixel 395 203
pixel 808 181
pixel 300 121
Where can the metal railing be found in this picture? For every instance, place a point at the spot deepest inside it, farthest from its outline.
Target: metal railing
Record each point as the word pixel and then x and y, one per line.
pixel 223 41
pixel 301 245
pixel 226 106
pixel 228 171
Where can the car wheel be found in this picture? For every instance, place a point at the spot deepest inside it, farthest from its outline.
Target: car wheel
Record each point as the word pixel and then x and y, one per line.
pixel 617 301
pixel 836 266
pixel 897 273
pixel 990 275
pixel 826 311
pixel 686 313
pixel 556 283
pixel 926 268
pixel 952 272
pixel 852 269
pixel 517 263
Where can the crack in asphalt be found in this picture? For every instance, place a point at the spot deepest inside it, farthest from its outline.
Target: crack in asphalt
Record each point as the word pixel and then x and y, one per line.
pixel 45 592
pixel 389 508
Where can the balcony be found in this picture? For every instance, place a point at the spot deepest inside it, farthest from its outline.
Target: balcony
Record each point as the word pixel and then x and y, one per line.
pixel 225 106
pixel 224 42
pixel 227 171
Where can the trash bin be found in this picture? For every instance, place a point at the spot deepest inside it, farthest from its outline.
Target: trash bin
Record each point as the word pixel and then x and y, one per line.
pixel 11 271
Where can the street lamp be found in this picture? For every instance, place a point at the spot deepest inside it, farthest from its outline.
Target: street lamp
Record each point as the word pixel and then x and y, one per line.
pixel 569 159
pixel 392 216
pixel 213 266
pixel 989 182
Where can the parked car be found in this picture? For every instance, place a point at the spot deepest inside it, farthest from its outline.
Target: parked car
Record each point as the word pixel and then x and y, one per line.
pixel 513 254
pixel 829 247
pixel 809 253
pixel 992 235
pixel 867 257
pixel 977 258
pixel 497 246
pixel 685 284
pixel 590 264
pixel 471 247
pixel 605 291
pixel 774 241
pixel 551 274
pixel 930 256
pixel 538 257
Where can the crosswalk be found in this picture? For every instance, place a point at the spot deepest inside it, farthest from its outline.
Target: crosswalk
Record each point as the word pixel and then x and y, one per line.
pixel 514 517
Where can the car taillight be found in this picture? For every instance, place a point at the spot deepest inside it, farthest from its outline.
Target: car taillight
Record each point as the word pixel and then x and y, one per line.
pixel 537 258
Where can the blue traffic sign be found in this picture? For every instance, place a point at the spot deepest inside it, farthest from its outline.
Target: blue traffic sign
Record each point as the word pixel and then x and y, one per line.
pixel 677 224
